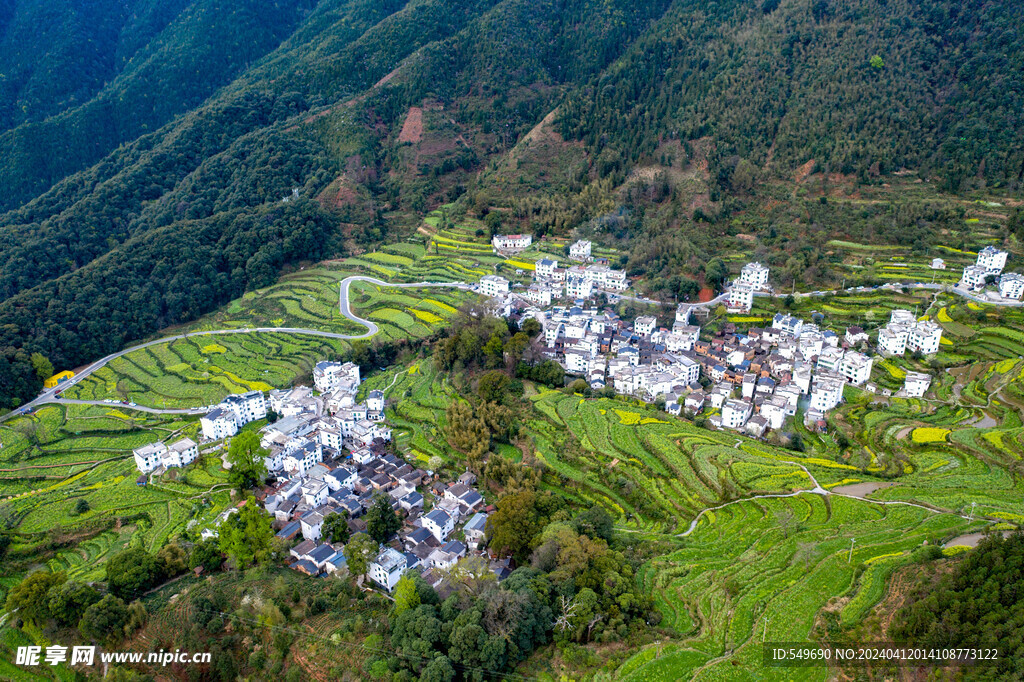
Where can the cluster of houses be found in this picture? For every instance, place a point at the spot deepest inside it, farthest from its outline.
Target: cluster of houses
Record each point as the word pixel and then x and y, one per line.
pixel 753 381
pixel 552 282
pixel 329 454
pixel 990 263
pixel 431 543
pixel 574 282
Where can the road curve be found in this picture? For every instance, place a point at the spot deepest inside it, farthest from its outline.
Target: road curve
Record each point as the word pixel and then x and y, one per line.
pixel 48 396
pixel 344 305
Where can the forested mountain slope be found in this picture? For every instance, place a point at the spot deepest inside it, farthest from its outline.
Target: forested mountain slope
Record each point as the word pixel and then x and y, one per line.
pixel 860 87
pixel 140 67
pixel 192 120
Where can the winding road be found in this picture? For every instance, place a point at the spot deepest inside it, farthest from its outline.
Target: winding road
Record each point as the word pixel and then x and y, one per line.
pixel 344 305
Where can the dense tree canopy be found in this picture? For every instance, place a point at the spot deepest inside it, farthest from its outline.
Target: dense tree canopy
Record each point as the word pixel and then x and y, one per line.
pixel 977 604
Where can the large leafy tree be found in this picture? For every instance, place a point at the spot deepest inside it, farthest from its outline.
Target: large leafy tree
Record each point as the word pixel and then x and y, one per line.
pixel 381 520
pixel 131 572
pixel 105 620
pixel 69 601
pixel 245 455
pixel 407 595
pixel 359 552
pixel 206 553
pixel 246 537
pixel 29 597
pixel 335 527
pixel 511 528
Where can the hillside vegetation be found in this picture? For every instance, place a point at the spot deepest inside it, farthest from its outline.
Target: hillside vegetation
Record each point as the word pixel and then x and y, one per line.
pixel 674 124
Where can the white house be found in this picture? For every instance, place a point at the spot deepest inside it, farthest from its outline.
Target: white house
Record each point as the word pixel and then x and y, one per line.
pixel 993 260
pixel 755 275
pixel 925 337
pixel 787 325
pixel 1011 285
pixel 855 336
pixel 475 530
pixel 775 412
pixel 580 250
pixel 447 555
pixel 314 492
pixel 149 457
pixel 855 367
pixel 545 268
pixel 577 361
pixel 579 287
pixel 826 394
pixel 542 294
pixel 181 453
pixel 511 243
pixel 735 413
pixel 901 316
pixel 749 385
pixel 247 407
pixel 493 285
pixel 686 370
pixel 974 277
pixel 387 568
pixel 741 297
pixel 645 324
pixel 312 525
pixel 218 423
pixel 916 384
pixel 375 401
pixel 328 376
pixel 938 264
pixel 439 523
pixel 340 477
pixel 892 339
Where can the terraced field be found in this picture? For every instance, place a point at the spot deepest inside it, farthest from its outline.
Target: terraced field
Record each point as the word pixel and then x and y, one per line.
pixel 766 569
pixel 762 554
pixel 66 453
pixel 406 312
pixel 200 371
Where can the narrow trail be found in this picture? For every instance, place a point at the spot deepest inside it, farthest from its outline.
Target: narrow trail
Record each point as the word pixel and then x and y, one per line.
pixel 817 490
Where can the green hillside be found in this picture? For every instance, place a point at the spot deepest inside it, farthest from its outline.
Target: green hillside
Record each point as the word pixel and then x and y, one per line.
pixel 679 130
pixel 138 86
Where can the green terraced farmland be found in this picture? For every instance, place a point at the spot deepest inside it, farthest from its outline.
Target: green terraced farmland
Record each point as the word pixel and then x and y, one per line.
pixel 66 453
pixel 202 370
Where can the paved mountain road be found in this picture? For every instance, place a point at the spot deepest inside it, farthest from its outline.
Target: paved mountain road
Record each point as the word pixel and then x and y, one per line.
pixel 49 395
